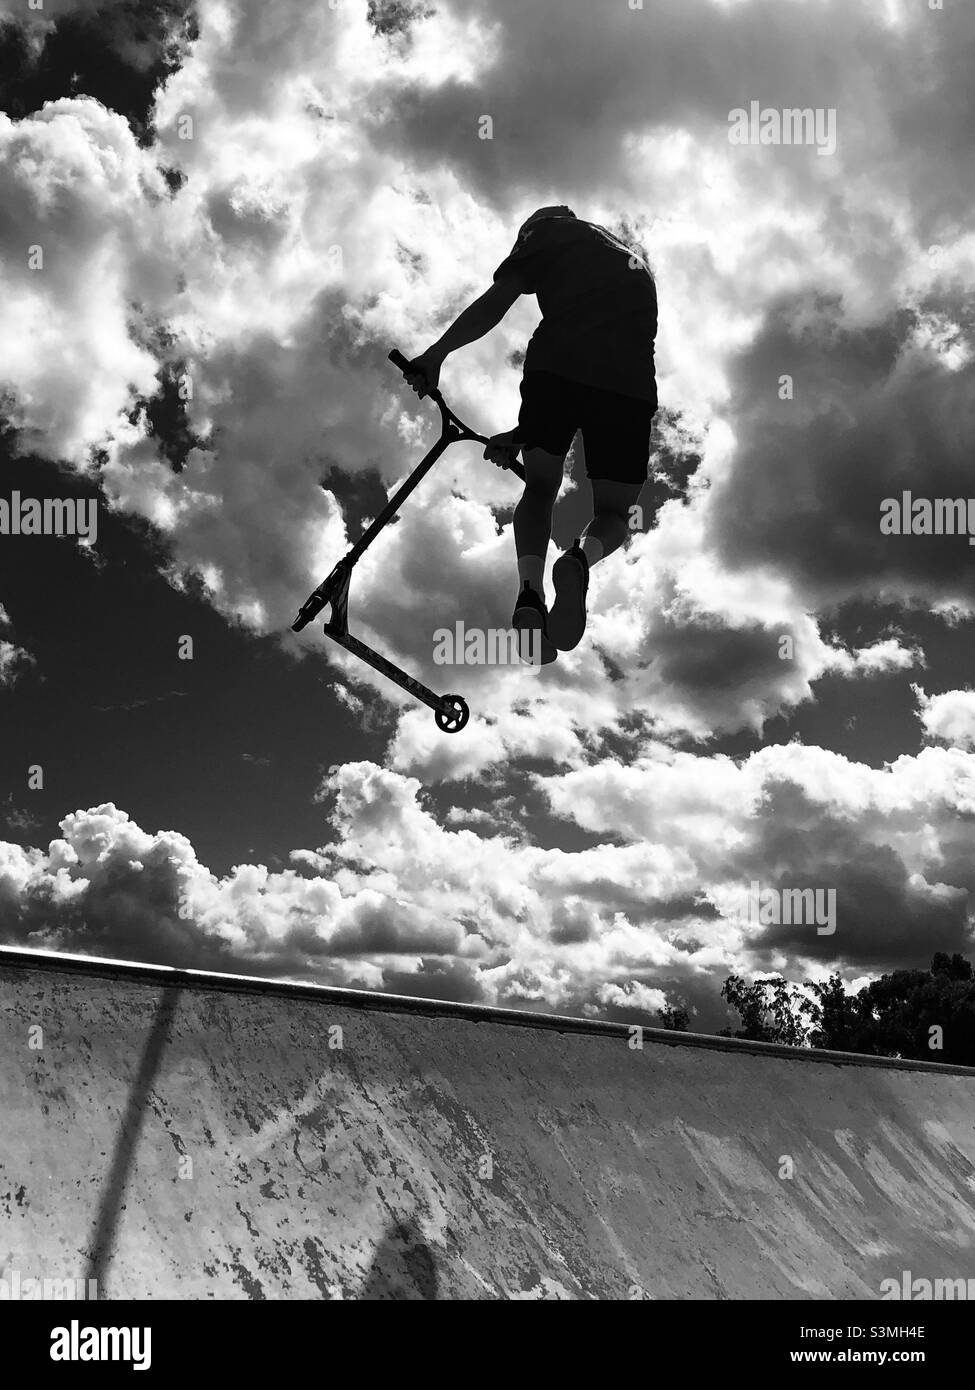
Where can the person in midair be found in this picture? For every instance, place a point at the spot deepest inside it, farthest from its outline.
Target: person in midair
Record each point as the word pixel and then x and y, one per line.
pixel 589 367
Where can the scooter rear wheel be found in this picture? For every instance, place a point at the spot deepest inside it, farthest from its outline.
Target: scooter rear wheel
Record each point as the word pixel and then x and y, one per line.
pixel 452 720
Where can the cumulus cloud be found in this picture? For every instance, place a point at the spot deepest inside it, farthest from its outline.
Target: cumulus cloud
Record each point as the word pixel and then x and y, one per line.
pixel 76 242
pixel 949 717
pixel 892 843
pixel 877 411
pixel 878 659
pixel 651 913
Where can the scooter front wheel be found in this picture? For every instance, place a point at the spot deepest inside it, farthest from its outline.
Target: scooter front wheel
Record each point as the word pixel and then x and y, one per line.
pixel 451 720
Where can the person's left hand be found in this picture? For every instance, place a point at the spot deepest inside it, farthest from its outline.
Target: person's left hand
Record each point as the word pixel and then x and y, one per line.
pixel 503 449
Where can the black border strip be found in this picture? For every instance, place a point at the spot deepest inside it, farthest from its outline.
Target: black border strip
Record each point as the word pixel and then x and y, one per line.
pixel 25 959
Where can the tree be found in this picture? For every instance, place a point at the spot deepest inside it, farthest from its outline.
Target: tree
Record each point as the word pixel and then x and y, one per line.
pixel 770 1010
pixel 924 1014
pixel 674 1017
pixel 835 1017
pixel 927 1015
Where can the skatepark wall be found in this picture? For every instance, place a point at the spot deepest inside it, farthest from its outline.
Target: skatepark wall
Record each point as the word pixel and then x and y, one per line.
pixel 176 1134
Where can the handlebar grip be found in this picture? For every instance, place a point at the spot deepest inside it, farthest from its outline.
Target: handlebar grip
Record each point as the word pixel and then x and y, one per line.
pixel 398 360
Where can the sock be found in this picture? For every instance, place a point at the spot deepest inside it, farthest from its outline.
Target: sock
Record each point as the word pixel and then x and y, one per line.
pixel 532 568
pixel 592 549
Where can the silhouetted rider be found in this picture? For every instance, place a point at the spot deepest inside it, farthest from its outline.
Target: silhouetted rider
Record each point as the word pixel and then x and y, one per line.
pixel 589 367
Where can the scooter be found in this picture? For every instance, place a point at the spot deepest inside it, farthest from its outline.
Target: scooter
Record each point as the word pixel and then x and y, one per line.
pixel 451 712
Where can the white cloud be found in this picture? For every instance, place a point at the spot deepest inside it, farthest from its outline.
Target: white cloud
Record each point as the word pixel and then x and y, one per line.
pixel 949 717
pixel 878 659
pixel 398 900
pixel 76 191
pixel 14 660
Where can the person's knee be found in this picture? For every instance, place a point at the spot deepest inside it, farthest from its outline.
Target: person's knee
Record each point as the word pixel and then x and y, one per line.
pixel 615 499
pixel 611 516
pixel 542 489
pixel 543 473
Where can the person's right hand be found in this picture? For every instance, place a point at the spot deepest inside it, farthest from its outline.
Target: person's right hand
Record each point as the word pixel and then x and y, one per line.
pixel 502 449
pixel 423 374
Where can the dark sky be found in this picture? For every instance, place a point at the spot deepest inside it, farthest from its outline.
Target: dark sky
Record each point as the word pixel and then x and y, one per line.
pixel 229 746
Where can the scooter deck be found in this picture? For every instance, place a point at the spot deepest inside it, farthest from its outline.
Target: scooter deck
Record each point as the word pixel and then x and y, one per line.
pixel 451 712
pixel 385 667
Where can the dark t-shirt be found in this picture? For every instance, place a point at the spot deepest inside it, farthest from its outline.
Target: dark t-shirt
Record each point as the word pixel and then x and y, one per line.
pixel 598 303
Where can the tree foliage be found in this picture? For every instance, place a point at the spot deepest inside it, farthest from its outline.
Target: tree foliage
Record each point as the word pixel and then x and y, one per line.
pixel 926 1015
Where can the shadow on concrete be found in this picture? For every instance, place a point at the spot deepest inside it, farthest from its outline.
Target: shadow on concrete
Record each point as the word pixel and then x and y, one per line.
pixel 102 1242
pixel 403 1266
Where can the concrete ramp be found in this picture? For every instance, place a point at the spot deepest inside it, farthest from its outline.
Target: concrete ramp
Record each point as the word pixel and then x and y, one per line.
pixel 174 1135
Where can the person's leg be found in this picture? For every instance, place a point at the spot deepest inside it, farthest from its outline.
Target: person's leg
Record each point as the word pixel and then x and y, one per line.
pixel 610 525
pixel 546 425
pixel 533 531
pixel 606 532
pixel 616 435
pixel 533 515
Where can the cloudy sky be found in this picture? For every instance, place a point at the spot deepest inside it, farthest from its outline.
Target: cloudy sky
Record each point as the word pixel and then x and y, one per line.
pixel 241 207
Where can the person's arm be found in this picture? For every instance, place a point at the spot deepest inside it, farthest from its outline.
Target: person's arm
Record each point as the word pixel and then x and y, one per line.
pixel 477 319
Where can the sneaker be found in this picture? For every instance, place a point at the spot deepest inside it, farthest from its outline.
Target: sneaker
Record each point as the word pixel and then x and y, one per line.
pixel 531 617
pixel 567 620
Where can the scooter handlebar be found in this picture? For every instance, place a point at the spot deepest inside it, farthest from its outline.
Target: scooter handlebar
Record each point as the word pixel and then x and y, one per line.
pixel 403 363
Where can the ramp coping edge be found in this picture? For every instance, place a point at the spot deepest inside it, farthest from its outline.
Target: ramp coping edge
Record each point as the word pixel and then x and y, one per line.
pixel 28 958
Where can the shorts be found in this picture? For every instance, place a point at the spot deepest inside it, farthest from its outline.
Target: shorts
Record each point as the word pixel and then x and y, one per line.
pixel 615 428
